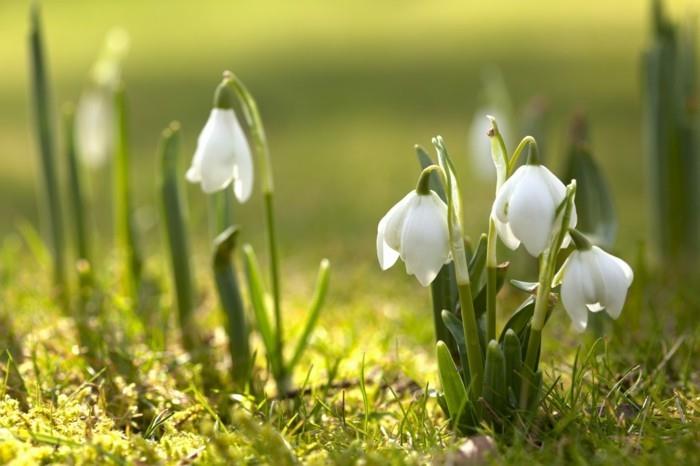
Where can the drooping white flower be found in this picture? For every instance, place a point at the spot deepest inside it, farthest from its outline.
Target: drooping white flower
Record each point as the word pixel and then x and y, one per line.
pixel 593 280
pixel 525 208
pixel 94 126
pixel 416 230
pixel 223 156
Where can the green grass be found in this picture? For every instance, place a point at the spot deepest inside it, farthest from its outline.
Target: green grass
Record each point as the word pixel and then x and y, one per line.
pixel 134 395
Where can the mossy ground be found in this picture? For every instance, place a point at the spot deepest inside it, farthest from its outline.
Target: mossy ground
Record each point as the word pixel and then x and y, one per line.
pixel 120 389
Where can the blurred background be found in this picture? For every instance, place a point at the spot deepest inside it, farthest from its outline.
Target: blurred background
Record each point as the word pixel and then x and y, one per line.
pixel 346 89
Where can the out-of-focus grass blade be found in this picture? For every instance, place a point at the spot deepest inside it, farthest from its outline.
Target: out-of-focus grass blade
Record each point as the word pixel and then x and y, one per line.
pixel 231 302
pixel 45 140
pixel 175 221
pixel 452 384
pixel 258 298
pixel 671 129
pixel 594 205
pixel 75 194
pixel 124 222
pixel 313 312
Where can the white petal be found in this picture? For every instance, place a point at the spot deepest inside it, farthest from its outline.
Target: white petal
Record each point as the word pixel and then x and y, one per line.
pixel 531 212
pixel 243 168
pixel 395 219
pixel 193 174
pixel 617 280
pixel 386 256
pixel 218 151
pixel 425 238
pixel 500 207
pixel 573 293
pixel 94 127
pixel 506 234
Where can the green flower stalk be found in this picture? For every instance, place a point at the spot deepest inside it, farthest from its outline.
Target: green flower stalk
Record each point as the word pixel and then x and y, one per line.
pixel 175 216
pixel 125 230
pixel 45 143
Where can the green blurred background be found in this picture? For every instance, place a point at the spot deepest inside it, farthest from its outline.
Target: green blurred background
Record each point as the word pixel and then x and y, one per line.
pixel 346 89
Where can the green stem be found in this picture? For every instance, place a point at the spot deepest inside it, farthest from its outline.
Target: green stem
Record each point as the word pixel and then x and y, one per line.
pixel 124 226
pixel 491 268
pixel 275 275
pixel 471 334
pixel 548 262
pixel 262 151
pixel 75 190
pixel 526 141
pixel 44 134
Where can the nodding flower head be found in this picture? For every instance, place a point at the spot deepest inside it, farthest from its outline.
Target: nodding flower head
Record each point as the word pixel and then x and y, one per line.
pixel 593 280
pixel 525 208
pixel 223 155
pixel 416 230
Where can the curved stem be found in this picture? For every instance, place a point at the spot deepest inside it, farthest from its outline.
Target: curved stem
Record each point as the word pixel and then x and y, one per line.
pixel 527 141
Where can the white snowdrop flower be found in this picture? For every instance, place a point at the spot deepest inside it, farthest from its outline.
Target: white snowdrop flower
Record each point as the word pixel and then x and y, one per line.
pixel 223 156
pixel 416 230
pixel 525 208
pixel 94 126
pixel 593 280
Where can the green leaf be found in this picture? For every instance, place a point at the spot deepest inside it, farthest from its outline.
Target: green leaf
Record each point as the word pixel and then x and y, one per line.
pixel 495 388
pixel 520 318
pixel 527 287
pixel 259 301
pixel 452 384
pixel 514 362
pixel 175 221
pixel 477 265
pixel 313 312
pixel 232 304
pixel 454 326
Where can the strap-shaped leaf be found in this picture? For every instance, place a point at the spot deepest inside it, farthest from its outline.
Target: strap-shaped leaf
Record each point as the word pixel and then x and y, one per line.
pixel 495 388
pixel 319 297
pixel 452 384
pixel 514 362
pixel 454 326
pixel 258 298
pixel 520 318
pixel 477 266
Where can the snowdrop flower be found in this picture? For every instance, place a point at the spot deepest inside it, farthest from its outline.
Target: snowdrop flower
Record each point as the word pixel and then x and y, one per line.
pixel 526 205
pixel 416 230
pixel 94 126
pixel 223 156
pixel 593 280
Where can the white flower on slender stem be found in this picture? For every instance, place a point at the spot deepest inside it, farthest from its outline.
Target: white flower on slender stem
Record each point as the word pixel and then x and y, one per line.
pixel 593 280
pixel 223 156
pixel 416 230
pixel 526 206
pixel 94 126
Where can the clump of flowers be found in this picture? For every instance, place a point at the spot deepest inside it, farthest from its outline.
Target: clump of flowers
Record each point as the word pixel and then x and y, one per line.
pixel 485 376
